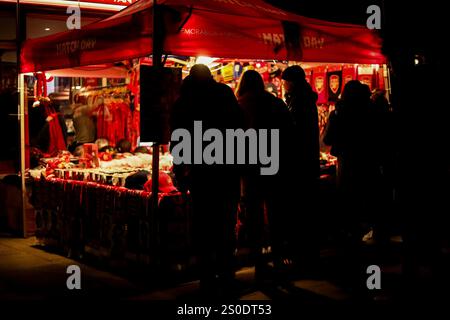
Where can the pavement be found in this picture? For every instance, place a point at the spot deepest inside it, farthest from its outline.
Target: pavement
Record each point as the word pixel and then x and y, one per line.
pixel 28 272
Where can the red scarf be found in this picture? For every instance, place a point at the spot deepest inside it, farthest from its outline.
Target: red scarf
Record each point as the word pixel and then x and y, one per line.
pixel 57 142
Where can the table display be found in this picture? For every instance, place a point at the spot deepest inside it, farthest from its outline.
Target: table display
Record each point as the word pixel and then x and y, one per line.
pixel 112 222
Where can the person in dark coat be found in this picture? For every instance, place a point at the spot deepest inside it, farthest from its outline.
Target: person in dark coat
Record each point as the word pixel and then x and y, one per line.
pixel 352 134
pixel 264 193
pixel 384 151
pixel 214 188
pixel 353 137
pixel 301 102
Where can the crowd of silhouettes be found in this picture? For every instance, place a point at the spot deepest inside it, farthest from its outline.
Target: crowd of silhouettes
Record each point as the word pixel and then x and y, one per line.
pixel 361 132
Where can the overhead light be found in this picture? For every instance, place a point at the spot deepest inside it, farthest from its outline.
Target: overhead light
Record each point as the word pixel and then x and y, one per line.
pixel 47 29
pixel 208 61
pixel 66 3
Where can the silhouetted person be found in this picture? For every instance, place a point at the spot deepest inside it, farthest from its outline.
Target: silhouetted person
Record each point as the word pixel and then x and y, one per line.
pixel 301 102
pixel 214 188
pixel 384 153
pixel 353 137
pixel 262 110
pixel 352 134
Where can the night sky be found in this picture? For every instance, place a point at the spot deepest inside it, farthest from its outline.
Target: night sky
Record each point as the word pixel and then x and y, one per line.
pixel 416 26
pixel 340 11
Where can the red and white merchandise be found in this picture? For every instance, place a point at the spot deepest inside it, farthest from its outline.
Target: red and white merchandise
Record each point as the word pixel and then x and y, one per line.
pixel 319 84
pixel 348 74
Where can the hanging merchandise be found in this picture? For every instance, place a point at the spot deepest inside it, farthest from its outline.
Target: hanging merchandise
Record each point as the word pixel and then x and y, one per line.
pixel 375 82
pixel 366 79
pixel 273 84
pixel 263 70
pixel 227 72
pixel 133 87
pixel 276 80
pixel 323 115
pixel 40 85
pixel 365 75
pixel 248 66
pixel 348 74
pixel 334 81
pixel 91 82
pixel 380 78
pixel 308 74
pixel 237 70
pixel 115 119
pixel 56 136
pixel 319 84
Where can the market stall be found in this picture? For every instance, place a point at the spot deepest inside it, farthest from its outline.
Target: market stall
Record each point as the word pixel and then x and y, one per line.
pixel 234 30
pixel 231 30
pixel 97 199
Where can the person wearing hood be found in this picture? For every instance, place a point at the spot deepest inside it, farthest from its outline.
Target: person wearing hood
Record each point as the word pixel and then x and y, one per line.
pixel 305 149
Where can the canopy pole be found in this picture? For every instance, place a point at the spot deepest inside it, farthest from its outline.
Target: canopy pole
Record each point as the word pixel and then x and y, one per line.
pixel 388 78
pixel 21 120
pixel 21 107
pixel 156 58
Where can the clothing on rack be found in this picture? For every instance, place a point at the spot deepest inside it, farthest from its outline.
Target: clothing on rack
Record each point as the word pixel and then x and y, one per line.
pixel 47 128
pixel 115 120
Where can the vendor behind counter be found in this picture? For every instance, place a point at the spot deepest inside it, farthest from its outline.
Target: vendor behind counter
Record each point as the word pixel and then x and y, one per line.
pixel 83 122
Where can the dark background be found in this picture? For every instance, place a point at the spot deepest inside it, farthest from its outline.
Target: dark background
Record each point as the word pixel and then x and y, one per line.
pixel 411 30
pixel 407 25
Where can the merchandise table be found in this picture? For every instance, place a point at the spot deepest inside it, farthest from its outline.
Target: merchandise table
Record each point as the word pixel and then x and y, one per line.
pixel 111 221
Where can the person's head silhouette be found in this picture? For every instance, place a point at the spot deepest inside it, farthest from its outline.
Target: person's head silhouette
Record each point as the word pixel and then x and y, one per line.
pixel 200 73
pixel 251 81
pixel 293 77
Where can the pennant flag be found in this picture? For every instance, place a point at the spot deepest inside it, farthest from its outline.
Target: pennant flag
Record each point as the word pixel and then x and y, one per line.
pixel 334 81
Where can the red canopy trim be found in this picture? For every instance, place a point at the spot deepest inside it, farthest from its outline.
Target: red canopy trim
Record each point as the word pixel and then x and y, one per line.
pixel 249 29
